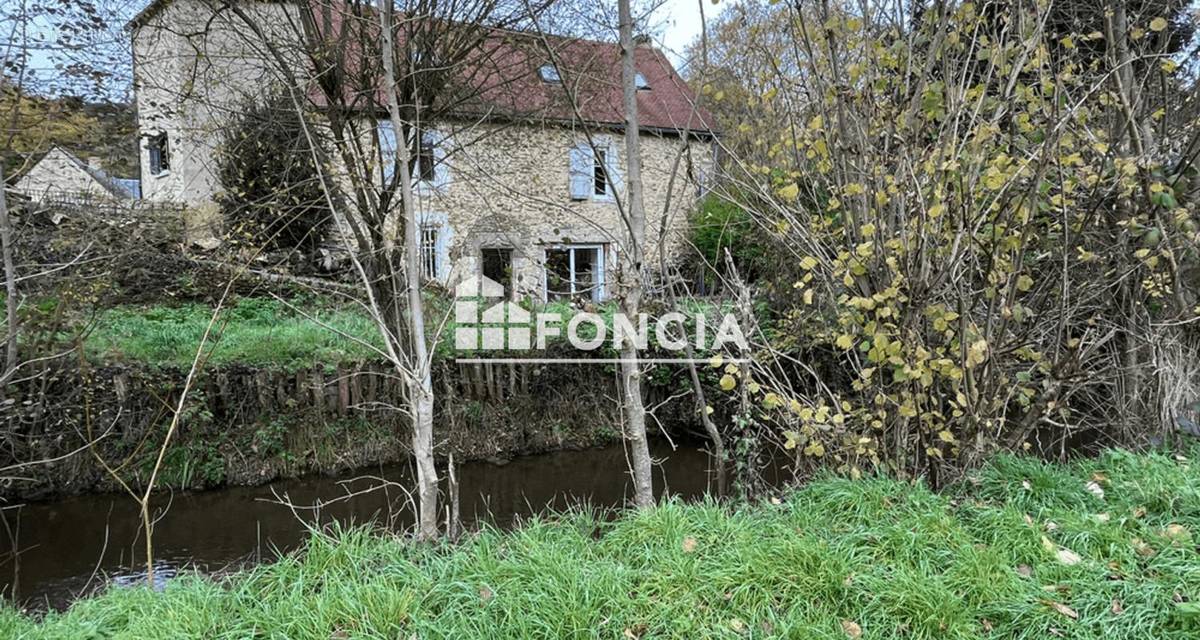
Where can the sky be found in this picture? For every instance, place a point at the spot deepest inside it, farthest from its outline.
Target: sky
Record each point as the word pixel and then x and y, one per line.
pixel 681 24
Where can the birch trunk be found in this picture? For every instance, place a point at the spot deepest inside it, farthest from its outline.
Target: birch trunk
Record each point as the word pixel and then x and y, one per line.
pixel 631 271
pixel 417 375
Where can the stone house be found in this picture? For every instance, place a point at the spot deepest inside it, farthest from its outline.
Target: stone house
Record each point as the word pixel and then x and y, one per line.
pixel 522 185
pixel 60 175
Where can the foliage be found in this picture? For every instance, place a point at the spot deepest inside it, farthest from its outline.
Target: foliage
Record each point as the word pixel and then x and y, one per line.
pixel 721 224
pixel 98 129
pixel 985 236
pixel 1025 549
pixel 271 194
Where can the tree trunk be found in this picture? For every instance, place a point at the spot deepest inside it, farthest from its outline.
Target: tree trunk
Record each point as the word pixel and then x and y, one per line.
pixel 417 375
pixel 631 271
pixel 10 286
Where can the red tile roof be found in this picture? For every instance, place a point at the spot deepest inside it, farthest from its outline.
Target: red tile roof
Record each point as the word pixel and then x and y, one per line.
pixel 591 73
pixel 501 79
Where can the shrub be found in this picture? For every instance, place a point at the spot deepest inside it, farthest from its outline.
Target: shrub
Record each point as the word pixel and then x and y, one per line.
pixel 272 196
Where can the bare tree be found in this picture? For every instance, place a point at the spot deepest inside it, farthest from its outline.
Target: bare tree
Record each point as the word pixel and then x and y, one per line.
pixel 632 268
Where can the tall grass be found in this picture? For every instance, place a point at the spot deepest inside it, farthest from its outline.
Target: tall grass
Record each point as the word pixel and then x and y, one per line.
pixel 833 559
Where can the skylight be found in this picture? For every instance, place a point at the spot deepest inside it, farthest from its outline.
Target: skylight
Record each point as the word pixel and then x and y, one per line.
pixel 549 73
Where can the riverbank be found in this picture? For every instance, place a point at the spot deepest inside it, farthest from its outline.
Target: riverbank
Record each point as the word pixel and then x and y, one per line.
pixel 1103 547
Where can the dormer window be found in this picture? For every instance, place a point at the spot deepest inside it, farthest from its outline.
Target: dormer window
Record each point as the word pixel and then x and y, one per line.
pixel 640 81
pixel 549 73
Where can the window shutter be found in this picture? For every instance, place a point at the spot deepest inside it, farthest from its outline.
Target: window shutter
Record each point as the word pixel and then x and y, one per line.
pixel 387 148
pixel 441 170
pixel 613 165
pixel 581 172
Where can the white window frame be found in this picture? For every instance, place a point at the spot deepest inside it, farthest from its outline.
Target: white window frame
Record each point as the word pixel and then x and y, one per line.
pixel 598 292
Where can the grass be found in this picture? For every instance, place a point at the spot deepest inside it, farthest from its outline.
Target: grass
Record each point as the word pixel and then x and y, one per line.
pixel 252 331
pixel 269 333
pixel 836 558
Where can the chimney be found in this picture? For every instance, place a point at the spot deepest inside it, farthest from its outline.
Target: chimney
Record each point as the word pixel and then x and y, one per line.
pixel 94 162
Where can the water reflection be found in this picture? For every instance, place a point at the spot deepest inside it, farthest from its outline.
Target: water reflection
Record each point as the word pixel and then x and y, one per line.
pixel 75 545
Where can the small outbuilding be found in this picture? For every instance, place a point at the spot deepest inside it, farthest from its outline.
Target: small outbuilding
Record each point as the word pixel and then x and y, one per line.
pixel 59 175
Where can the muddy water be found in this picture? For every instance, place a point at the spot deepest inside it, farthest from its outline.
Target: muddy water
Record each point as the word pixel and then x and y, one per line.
pixel 77 545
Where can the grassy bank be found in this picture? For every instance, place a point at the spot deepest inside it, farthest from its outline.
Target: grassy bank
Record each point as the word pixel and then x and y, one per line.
pixel 1023 550
pixel 251 331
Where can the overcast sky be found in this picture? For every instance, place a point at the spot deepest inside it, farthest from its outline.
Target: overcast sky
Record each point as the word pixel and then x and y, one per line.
pixel 681 20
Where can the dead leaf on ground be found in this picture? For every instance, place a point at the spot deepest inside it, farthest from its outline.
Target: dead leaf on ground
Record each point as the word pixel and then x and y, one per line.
pixel 485 593
pixel 689 544
pixel 1067 557
pixel 1142 548
pixel 1095 489
pixel 1025 570
pixel 852 629
pixel 1063 609
pixel 1117 608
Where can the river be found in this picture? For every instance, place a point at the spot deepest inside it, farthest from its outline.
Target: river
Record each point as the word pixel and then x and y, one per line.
pixel 74 546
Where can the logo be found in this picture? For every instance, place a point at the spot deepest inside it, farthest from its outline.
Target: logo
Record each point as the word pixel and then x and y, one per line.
pixel 487 322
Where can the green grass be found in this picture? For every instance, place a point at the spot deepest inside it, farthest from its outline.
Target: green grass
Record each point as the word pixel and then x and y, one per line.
pixel 252 331
pixel 269 333
pixel 895 559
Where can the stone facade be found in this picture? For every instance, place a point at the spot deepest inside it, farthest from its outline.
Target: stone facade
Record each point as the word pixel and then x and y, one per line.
pixel 511 189
pixel 505 187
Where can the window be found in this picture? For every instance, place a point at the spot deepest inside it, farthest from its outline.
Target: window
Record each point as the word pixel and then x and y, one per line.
pixel 160 154
pixel 575 272
pixel 429 251
pixel 640 82
pixel 594 171
pixel 497 267
pixel 549 73
pixel 430 170
pixel 600 172
pixel 426 160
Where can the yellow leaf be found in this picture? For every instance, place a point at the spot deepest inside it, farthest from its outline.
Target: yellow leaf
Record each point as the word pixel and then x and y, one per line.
pixel 845 341
pixel 716 361
pixel 808 263
pixel 946 436
pixel 1158 24
pixel 790 192
pixel 727 382
pixel 1024 283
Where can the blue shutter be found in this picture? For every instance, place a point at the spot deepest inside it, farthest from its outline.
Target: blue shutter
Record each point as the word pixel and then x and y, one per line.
pixel 441 170
pixel 581 172
pixel 612 161
pixel 387 148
